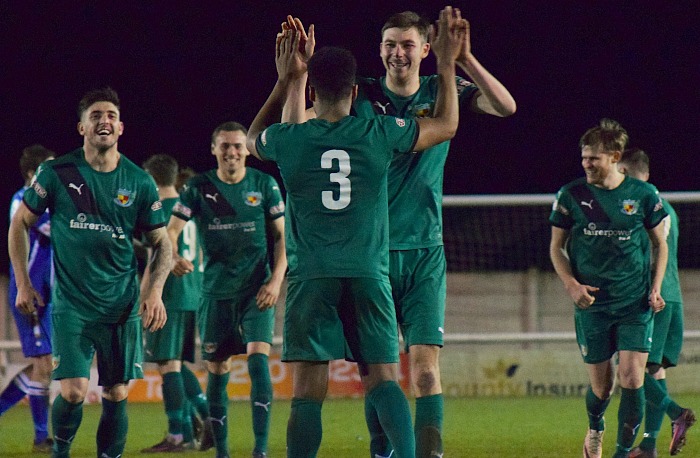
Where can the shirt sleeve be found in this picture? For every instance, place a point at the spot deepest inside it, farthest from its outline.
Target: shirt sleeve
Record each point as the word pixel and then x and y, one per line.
pixel 185 207
pixel 38 196
pixel 561 211
pixel 151 214
pixel 401 133
pixel 265 143
pixel 274 202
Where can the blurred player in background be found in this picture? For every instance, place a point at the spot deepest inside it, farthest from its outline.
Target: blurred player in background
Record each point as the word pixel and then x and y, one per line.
pixel 600 227
pixel 96 198
pixel 335 171
pixel 175 343
pixel 667 338
pixel 34 329
pixel 235 208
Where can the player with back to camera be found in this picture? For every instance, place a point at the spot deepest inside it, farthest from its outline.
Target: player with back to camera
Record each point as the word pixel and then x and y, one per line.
pixel 34 330
pixel 667 338
pixel 335 169
pixel 601 228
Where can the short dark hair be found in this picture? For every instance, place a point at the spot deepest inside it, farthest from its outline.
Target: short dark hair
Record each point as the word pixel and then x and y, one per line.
pixel 32 156
pixel 406 20
pixel 608 134
pixel 163 168
pixel 105 94
pixel 635 160
pixel 332 73
pixel 230 126
pixel 182 177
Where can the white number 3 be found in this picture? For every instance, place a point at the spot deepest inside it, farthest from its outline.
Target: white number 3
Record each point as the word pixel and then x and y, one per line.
pixel 340 177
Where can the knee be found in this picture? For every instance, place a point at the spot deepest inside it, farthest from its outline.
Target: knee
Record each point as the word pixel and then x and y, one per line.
pixel 115 393
pixel 426 380
pixel 73 394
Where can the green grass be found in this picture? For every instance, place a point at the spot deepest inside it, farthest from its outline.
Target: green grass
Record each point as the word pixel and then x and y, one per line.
pixel 485 427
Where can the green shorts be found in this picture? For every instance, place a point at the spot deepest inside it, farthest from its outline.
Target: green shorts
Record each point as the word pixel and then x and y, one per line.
pixel 175 341
pixel 118 346
pixel 667 339
pixel 336 318
pixel 602 333
pixel 419 287
pixel 228 325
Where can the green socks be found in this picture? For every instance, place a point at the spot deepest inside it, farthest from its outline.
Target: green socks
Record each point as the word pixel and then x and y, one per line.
pixel 304 429
pixel 629 418
pixel 260 398
pixel 173 395
pixel 595 407
pixel 65 420
pixel 218 410
pixel 395 417
pixel 111 432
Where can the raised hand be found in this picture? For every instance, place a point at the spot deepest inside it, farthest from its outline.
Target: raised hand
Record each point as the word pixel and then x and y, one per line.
pixel 294 48
pixel 447 36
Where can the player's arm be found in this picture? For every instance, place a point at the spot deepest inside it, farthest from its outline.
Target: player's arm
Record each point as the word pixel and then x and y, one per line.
pixel 180 265
pixel 445 45
pixel 269 292
pixel 151 308
pixel 286 48
pixel 657 236
pixel 492 98
pixel 581 294
pixel 18 246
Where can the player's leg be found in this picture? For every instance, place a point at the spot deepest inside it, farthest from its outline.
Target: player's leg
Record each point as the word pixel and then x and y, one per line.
pixel 419 288
pixel 313 335
pixel 39 401
pixel 304 427
pixel 119 349
pixel 595 340
pixel 73 352
pixel 257 330
pixel 260 394
pixel 633 341
pixel 369 323
pixel 200 408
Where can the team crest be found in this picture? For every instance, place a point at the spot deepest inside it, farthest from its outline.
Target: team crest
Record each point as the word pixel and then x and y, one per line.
pixel 252 198
pixel 124 198
pixel 210 347
pixel 401 122
pixel 630 207
pixel 422 111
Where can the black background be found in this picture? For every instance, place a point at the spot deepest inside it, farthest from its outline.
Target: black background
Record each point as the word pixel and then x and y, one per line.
pixel 182 68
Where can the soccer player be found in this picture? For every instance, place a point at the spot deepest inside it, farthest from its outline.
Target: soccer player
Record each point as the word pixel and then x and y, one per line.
pixel 175 343
pixel 600 227
pixel 96 198
pixel 417 259
pixel 235 207
pixel 667 338
pixel 335 172
pixel 35 329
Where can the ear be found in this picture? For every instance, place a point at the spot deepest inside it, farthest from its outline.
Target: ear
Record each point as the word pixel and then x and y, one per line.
pixel 354 92
pixel 616 156
pixel 425 50
pixel 213 146
pixel 312 94
pixel 81 129
pixel 121 127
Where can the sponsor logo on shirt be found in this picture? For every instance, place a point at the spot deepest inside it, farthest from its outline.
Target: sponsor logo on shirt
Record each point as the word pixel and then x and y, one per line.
pixel 263 138
pixel 557 207
pixel 81 222
pixel 659 205
pixel 217 225
pixel 630 207
pixel 124 198
pixel 252 198
pixel 593 231
pixel 400 122
pixel 157 205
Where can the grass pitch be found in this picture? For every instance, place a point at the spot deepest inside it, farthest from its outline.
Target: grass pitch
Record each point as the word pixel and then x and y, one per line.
pixel 486 427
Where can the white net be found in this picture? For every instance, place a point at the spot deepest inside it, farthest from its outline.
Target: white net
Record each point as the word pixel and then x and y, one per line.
pixel 512 232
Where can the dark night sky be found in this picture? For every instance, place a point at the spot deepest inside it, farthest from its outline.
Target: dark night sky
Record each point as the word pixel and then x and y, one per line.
pixel 181 68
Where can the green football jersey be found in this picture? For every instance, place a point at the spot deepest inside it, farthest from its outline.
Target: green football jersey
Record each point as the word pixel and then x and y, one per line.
pixel 608 242
pixel 231 222
pixel 415 180
pixel 671 287
pixel 184 293
pixel 335 176
pixel 93 219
